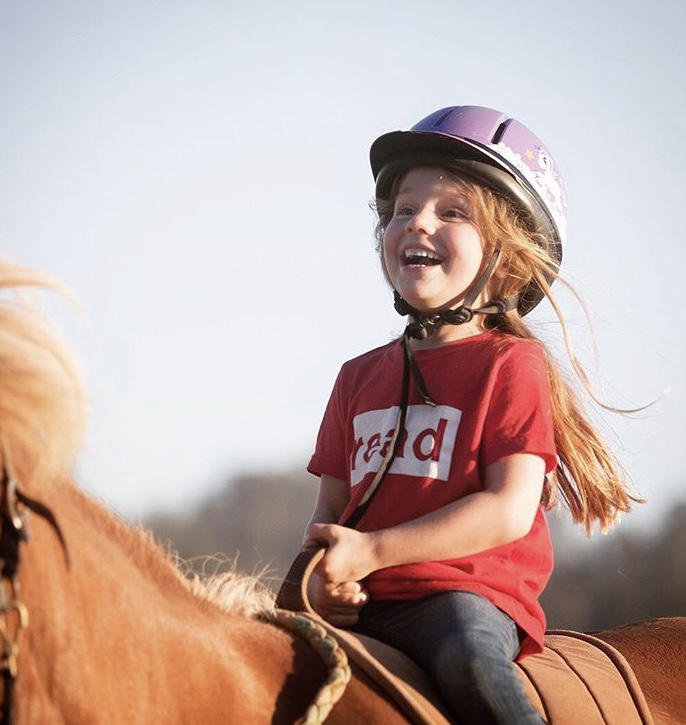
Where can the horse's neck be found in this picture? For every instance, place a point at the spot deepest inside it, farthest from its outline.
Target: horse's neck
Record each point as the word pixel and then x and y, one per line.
pixel 119 637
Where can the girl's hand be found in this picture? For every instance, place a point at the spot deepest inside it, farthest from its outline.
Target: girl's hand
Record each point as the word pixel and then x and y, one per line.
pixel 350 555
pixel 335 590
pixel 339 604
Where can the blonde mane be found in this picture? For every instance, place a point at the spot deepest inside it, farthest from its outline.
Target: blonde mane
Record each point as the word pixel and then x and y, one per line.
pixel 43 414
pixel 219 582
pixel 43 397
pixel 234 592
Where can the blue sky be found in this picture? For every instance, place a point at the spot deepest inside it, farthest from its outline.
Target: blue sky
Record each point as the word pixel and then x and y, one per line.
pixel 197 174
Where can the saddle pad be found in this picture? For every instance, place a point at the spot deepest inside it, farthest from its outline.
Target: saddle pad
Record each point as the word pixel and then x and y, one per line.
pixel 579 678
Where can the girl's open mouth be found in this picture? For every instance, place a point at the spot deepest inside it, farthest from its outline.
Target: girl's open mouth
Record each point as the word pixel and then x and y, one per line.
pixel 420 257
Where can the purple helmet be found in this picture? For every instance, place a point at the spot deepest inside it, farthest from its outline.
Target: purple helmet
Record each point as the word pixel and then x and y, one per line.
pixel 494 150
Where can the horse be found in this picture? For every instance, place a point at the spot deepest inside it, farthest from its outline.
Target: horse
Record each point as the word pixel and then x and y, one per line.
pixel 98 622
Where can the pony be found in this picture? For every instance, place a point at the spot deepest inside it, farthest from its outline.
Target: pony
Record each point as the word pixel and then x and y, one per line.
pixel 99 624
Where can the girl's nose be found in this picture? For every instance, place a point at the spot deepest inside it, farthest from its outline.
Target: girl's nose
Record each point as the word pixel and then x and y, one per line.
pixel 422 222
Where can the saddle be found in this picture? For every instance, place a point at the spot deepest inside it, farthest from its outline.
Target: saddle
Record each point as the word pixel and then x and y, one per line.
pixel 578 678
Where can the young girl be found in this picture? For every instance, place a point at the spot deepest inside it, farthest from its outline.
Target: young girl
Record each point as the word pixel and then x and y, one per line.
pixel 438 452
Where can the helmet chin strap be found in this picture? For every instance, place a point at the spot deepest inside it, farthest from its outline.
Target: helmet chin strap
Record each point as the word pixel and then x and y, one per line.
pixel 424 325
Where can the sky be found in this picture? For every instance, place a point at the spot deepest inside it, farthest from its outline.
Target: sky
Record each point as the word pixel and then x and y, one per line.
pixel 197 175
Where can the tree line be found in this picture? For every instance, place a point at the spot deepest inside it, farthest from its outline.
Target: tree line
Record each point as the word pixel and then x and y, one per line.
pixel 256 522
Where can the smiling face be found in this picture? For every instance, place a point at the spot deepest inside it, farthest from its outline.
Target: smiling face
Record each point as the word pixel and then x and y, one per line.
pixel 432 250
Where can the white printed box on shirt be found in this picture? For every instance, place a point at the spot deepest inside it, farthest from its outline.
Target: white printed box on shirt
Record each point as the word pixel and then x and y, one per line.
pixel 426 444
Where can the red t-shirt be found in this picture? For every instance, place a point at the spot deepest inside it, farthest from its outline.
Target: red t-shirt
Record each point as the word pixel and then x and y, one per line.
pixel 492 400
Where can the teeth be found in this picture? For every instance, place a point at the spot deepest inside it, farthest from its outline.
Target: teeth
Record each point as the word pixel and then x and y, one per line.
pixel 420 255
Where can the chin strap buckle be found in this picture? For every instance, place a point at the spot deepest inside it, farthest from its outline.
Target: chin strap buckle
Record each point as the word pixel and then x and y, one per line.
pixel 422 326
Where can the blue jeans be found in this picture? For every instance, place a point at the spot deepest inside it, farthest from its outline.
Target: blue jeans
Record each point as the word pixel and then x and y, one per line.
pixel 466 645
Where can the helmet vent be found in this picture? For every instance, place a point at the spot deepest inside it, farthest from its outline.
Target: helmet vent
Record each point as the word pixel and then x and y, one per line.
pixel 500 132
pixel 439 121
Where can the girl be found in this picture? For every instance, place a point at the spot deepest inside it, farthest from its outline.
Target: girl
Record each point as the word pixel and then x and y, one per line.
pixel 438 452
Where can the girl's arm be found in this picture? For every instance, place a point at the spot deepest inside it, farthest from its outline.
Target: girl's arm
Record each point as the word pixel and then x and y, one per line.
pixel 332 499
pixel 503 512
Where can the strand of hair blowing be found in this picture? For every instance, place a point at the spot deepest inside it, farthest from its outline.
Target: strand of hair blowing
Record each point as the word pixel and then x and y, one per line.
pixel 589 477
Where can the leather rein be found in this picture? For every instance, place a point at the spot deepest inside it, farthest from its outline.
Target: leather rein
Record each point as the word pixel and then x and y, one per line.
pixel 14 615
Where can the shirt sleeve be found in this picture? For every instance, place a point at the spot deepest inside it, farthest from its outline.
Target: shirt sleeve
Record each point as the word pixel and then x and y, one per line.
pixel 329 457
pixel 519 418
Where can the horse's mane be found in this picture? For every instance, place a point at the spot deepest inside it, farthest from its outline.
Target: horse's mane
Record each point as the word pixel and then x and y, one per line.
pixel 43 411
pixel 219 581
pixel 235 592
pixel 42 389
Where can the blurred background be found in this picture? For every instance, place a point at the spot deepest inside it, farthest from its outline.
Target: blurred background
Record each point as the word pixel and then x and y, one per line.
pixel 197 175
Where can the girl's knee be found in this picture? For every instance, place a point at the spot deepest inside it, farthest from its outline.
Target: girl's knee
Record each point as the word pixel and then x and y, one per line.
pixel 458 664
pixel 461 666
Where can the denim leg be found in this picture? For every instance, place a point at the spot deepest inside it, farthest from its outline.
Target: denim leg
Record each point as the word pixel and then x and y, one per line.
pixel 466 645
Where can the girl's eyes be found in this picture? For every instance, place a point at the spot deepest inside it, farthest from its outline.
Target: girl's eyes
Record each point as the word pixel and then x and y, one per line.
pixel 455 213
pixel 452 212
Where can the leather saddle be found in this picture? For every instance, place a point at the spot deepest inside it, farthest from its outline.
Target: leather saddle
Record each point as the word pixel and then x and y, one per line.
pixel 578 678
